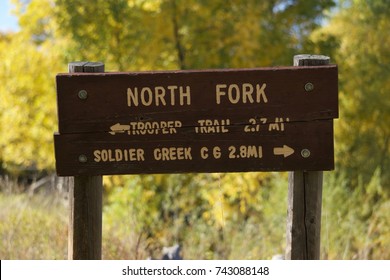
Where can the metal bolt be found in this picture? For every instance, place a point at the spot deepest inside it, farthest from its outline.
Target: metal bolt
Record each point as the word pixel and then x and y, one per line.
pixel 83 94
pixel 309 86
pixel 83 158
pixel 305 153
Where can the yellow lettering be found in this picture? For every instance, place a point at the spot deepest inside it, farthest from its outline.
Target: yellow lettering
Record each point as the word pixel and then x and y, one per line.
pixel 241 93
pixel 172 89
pixel 261 93
pixel 96 154
pixel 185 94
pixel 118 155
pixel 172 153
pixel 187 153
pixel 212 126
pixel 165 153
pixel 149 100
pixel 157 154
pixel 234 88
pixel 204 153
pixel 247 91
pixel 132 97
pixel 160 94
pixel 110 156
pixel 140 155
pixel 219 93
pixel 217 152
pixel 132 155
pixel 104 155
pixel 126 156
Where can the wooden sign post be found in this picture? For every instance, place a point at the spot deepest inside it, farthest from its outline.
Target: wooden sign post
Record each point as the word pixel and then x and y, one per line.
pixel 226 120
pixel 86 199
pixel 305 198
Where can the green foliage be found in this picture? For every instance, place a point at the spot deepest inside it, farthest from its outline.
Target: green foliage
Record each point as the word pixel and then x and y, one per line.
pixel 235 216
pixel 356 37
pixel 122 33
pixel 187 34
pixel 356 223
pixel 130 35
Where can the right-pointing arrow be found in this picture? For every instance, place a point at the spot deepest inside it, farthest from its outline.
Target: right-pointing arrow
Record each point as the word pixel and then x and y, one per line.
pixel 285 151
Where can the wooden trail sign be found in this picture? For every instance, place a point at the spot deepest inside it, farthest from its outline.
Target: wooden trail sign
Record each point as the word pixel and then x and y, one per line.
pixel 265 119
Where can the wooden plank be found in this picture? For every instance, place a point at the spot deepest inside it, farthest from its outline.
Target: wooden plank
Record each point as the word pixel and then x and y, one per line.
pixel 189 96
pixel 304 215
pixel 86 202
pixel 305 199
pixel 107 154
pixel 85 240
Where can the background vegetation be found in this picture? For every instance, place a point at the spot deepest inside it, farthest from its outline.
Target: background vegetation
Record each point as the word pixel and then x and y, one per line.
pixel 213 216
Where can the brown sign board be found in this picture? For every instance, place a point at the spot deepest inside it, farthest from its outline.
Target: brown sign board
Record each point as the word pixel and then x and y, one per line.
pixel 231 120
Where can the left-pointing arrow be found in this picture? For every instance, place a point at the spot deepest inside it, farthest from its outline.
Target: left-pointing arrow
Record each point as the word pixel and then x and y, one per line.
pixel 285 151
pixel 119 128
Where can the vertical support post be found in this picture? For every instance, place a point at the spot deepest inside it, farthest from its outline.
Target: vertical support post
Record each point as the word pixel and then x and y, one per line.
pixel 304 198
pixel 86 201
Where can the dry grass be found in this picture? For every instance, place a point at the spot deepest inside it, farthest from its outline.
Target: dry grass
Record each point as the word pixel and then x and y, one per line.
pixel 32 227
pixel 35 227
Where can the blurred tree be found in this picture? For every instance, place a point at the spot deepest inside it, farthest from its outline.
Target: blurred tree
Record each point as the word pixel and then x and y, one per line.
pixel 125 34
pixel 357 37
pixel 191 34
pixel 147 35
pixel 29 61
pixel 208 210
pixel 132 35
pixel 163 34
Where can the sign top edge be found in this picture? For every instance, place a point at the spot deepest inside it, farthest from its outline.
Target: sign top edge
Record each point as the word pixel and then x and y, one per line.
pixel 213 70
